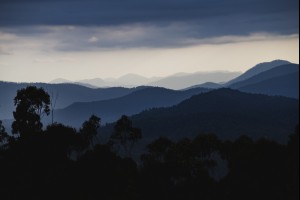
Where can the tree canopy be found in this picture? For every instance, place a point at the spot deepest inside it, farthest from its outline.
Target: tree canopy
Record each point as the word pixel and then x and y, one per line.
pixel 32 104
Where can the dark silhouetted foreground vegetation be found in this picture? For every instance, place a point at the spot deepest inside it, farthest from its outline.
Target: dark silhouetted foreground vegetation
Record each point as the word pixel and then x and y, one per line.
pixel 59 162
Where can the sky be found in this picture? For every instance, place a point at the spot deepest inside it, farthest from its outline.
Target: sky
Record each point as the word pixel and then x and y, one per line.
pixel 41 40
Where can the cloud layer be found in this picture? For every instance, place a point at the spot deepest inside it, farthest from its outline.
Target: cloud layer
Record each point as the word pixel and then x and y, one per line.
pixel 76 39
pixel 215 17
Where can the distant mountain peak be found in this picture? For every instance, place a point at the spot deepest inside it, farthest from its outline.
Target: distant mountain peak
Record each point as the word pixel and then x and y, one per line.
pixel 184 81
pixel 268 65
pixel 259 68
pixel 132 76
pixel 210 85
pixel 60 80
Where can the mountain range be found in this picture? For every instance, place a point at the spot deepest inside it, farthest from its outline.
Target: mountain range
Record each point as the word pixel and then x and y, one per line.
pixel 225 112
pixel 268 108
pixel 133 103
pixel 128 80
pixel 259 68
pixel 65 94
pixel 273 78
pixel 176 81
pixel 281 80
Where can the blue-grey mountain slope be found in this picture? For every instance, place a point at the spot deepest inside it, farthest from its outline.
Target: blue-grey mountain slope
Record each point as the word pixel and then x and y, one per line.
pixel 258 69
pixel 111 110
pixel 286 85
pixel 210 85
pixel 182 81
pixel 282 80
pixel 65 94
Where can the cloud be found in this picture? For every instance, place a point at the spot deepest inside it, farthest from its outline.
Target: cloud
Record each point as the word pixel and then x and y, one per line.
pixel 93 39
pixel 5 40
pixel 107 38
pixel 47 59
pixel 225 17
pixel 4 37
pixel 5 51
pixel 255 37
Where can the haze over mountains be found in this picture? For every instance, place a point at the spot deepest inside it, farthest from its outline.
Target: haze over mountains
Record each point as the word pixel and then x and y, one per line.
pixel 278 77
pixel 65 94
pixel 182 81
pixel 226 112
pixel 176 81
pixel 282 80
pixel 130 104
pixel 258 69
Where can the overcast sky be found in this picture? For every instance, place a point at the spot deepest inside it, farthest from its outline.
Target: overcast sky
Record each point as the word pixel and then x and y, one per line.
pixel 41 40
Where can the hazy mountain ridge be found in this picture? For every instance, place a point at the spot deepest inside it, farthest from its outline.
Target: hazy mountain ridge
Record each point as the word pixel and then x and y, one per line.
pixel 272 80
pixel 186 80
pixel 282 80
pixel 271 73
pixel 128 80
pixel 111 110
pixel 211 80
pixel 64 81
pixel 210 85
pixel 111 103
pixel 286 85
pixel 259 68
pixel 175 81
pixel 66 94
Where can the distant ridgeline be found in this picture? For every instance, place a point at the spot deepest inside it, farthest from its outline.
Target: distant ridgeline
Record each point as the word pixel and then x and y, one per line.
pixel 262 102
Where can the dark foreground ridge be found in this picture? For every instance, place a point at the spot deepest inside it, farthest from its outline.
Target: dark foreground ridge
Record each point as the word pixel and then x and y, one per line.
pixel 225 112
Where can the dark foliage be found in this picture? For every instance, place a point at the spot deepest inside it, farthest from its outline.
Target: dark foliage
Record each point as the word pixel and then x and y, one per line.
pixel 40 168
pixel 47 165
pixel 125 135
pixel 31 104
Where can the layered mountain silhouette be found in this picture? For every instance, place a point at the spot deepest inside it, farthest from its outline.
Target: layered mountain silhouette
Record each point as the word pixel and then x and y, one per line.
pixel 128 80
pixel 282 80
pixel 271 73
pixel 176 81
pixel 210 85
pixel 286 85
pixel 181 81
pixel 272 78
pixel 111 110
pixel 259 68
pixel 65 94
pixel 225 112
pixel 63 81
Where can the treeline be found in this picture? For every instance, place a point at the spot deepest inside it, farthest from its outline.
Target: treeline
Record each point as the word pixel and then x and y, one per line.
pixel 60 162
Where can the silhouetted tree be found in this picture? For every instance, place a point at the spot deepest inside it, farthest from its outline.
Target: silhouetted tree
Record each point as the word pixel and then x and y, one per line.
pixel 205 145
pixel 3 134
pixel 61 139
pixel 293 165
pixel 125 135
pixel 32 104
pixel 115 177
pixel 53 100
pixel 175 171
pixel 89 129
pixel 159 148
pixel 257 169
